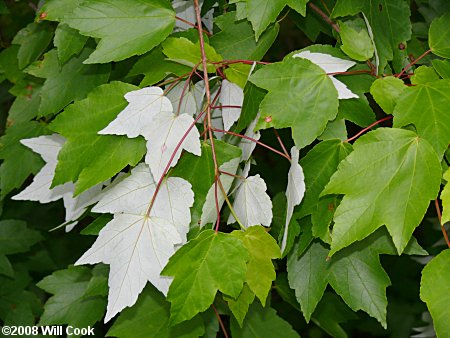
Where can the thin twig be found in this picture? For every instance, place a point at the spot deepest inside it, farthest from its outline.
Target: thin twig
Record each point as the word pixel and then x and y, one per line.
pixel 444 232
pixel 324 16
pixel 220 321
pixel 280 142
pixel 253 140
pixel 414 62
pixel 368 127
pixel 192 25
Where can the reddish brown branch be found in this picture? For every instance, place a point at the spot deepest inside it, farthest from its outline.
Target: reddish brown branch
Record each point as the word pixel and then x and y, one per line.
pixel 222 326
pixel 414 62
pixel 444 232
pixel 368 128
pixel 192 25
pixel 324 16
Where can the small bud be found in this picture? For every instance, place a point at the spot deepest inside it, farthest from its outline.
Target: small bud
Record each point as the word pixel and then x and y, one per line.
pixel 43 15
pixel 401 46
pixel 331 207
pixel 268 119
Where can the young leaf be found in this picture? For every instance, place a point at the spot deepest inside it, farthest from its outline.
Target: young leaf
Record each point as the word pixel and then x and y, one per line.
pixel 311 103
pixel 389 20
pixel 251 203
pixel 331 64
pixel 198 269
pixel 239 306
pixel 387 91
pixel 66 83
pixel 294 192
pixel 435 291
pixel 399 164
pixel 149 22
pixel 71 304
pixel 149 318
pixel 262 249
pixel 356 42
pixel 231 95
pixel 434 98
pixel 263 322
pixel 78 161
pixel 439 36
pixel 445 197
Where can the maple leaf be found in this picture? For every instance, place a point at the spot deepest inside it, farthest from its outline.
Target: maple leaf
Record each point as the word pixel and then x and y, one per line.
pixel 331 64
pixel 247 146
pixel 48 147
pixel 163 137
pixel 399 164
pixel 198 269
pixel 150 114
pixel 251 202
pixel 294 192
pixel 137 117
pixel 137 243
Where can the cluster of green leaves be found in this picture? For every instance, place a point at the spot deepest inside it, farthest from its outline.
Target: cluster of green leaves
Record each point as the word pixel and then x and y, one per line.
pixel 372 203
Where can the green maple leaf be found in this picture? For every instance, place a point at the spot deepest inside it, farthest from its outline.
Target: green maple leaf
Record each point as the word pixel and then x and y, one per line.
pixel 426 106
pixel 301 96
pixel 199 268
pixel 73 301
pixel 263 322
pixel 79 160
pixel 262 249
pixel 125 28
pixel 389 179
pixel 386 91
pixel 15 237
pixel 355 273
pixel 318 166
pixel 63 84
pixel 68 42
pixel 442 67
pixel 439 36
pixel 199 171
pixel 149 318
pixel 435 291
pixel 19 161
pixel 239 306
pixel 389 20
pixel 236 39
pixel 261 13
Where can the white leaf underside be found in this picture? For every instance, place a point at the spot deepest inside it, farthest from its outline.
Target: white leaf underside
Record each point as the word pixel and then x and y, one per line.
pixel 230 95
pixel 48 146
pixel 331 64
pixel 294 192
pixel 137 246
pixel 251 203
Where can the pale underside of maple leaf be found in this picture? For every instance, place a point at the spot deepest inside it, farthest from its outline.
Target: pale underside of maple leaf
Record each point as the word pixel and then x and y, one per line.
pixel 48 146
pixel 294 192
pixel 138 242
pixel 331 64
pixel 231 95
